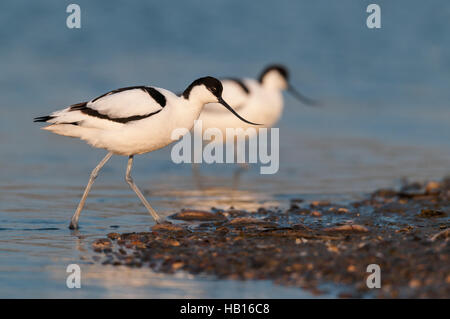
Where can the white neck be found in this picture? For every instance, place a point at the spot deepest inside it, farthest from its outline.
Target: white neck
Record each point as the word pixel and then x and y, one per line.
pixel 200 96
pixel 275 81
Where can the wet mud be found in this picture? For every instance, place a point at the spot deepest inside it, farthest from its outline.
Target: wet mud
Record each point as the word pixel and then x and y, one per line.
pixel 315 245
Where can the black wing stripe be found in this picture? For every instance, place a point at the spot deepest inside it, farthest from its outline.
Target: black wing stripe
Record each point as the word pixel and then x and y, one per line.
pixel 155 94
pixel 48 118
pixel 91 112
pixel 240 83
pixel 78 106
pixel 43 118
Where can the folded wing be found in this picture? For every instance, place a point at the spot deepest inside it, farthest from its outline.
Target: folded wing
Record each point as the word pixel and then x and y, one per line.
pixel 119 106
pixel 127 102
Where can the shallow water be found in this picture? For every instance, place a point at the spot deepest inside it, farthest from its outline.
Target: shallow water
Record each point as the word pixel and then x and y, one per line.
pixel 385 117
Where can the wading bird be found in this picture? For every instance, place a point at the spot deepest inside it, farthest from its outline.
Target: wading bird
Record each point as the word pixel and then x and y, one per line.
pixel 134 120
pixel 259 99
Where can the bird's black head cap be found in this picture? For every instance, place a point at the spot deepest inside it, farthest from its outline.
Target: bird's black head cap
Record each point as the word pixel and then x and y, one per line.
pixel 275 67
pixel 212 84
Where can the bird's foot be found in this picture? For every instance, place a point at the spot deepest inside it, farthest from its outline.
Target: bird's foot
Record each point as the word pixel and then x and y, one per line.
pixel 162 221
pixel 73 226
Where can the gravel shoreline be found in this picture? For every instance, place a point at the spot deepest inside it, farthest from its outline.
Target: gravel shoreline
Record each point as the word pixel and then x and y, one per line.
pixel 309 245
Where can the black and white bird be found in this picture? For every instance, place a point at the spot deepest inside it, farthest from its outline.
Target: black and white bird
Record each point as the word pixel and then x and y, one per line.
pixel 259 99
pixel 134 120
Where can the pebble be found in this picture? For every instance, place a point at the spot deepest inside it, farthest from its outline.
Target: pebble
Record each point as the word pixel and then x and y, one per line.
pixel 101 244
pixel 113 236
pixel 351 228
pixel 316 213
pixel 426 213
pixel 320 203
pixel 414 283
pixel 351 268
pixel 177 265
pixel 197 215
pixel 167 227
pixel 247 221
pixel 432 187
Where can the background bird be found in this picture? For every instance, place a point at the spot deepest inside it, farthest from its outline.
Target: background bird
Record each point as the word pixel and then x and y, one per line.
pixel 134 120
pixel 259 99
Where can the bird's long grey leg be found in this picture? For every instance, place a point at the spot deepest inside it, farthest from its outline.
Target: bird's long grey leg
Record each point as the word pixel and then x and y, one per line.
pixel 94 174
pixel 133 186
pixel 197 175
pixel 241 169
pixel 238 173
